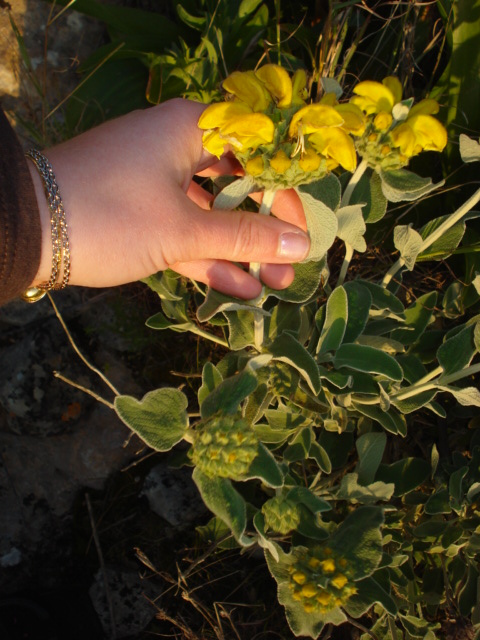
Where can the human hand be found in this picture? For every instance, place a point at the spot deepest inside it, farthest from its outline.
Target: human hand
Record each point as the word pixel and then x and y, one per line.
pixel 132 209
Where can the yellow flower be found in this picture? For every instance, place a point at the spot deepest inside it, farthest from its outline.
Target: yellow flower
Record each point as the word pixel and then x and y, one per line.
pixel 255 166
pixel 339 581
pixel 382 121
pixel 245 86
pixel 418 133
pixel 353 118
pixel 313 117
pixel 373 97
pixel 299 87
pixel 277 82
pixel 328 566
pixel 335 144
pixel 234 123
pixel 309 160
pixel 280 161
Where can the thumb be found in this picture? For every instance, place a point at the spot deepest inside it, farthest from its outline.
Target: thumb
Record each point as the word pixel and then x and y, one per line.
pixel 238 236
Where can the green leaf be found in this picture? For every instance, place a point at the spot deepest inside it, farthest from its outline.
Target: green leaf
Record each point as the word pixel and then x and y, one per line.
pixel 284 317
pixel 469 149
pixel 468 396
pixel 390 421
pixel 159 418
pixel 327 190
pixel 321 457
pixel 354 492
pixel 359 301
pixel 228 395
pixel 247 7
pixel 299 447
pixel 370 449
pixel 367 359
pixel 333 330
pixel 211 378
pixel 409 243
pixel 446 244
pixel 241 332
pixel 382 298
pixel 194 22
pixel 308 276
pixel 225 502
pixel 322 225
pixel 263 541
pixel 159 322
pixel 265 468
pixel 352 227
pixel 438 503
pixel 458 86
pixel 417 317
pixel 287 349
pixel 306 497
pixel 457 352
pixel 359 540
pixel 368 192
pixel 406 474
pixel 455 486
pixel 369 593
pixel 234 194
pixel 400 184
pixel 216 302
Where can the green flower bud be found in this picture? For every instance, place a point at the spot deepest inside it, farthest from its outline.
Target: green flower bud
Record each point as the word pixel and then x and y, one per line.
pixel 320 579
pixel 224 446
pixel 281 515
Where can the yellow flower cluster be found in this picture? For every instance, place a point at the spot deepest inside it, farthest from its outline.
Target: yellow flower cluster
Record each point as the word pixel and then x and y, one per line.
pixel 320 580
pixel 281 514
pixel 283 142
pixel 224 446
pixel 394 132
pixel 276 136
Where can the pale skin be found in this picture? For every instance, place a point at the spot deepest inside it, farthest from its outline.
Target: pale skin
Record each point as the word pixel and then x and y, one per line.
pixel 132 209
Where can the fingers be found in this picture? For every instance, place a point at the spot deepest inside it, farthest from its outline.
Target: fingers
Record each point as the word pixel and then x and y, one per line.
pixel 232 280
pixel 239 236
pixel 286 206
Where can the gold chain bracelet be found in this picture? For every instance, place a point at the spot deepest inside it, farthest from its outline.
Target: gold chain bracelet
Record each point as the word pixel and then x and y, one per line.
pixel 60 245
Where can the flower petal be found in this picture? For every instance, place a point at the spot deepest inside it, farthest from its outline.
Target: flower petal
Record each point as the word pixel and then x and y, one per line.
pixel 280 162
pixel 404 138
pixel 394 85
pixel 373 97
pixel 426 107
pixel 313 117
pixel 336 144
pixel 216 115
pixel 245 86
pixel 249 130
pixel 310 161
pixel 278 83
pixel 430 134
pixel 354 120
pixel 214 143
pixel 299 87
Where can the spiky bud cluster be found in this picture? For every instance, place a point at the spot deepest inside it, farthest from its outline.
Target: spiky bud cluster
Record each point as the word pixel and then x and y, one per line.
pixel 224 446
pixel 281 515
pixel 320 580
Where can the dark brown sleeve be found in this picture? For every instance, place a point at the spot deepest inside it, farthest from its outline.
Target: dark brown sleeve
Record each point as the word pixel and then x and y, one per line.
pixel 20 230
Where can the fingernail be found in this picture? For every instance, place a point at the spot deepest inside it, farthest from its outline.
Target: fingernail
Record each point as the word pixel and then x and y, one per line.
pixel 294 246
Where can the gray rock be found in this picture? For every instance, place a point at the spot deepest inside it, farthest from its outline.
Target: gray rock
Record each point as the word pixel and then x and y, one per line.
pixel 129 600
pixel 172 494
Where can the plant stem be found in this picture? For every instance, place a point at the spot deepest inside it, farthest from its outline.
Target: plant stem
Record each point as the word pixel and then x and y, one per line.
pixel 438 233
pixel 345 264
pixel 265 208
pixel 354 180
pixel 209 336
